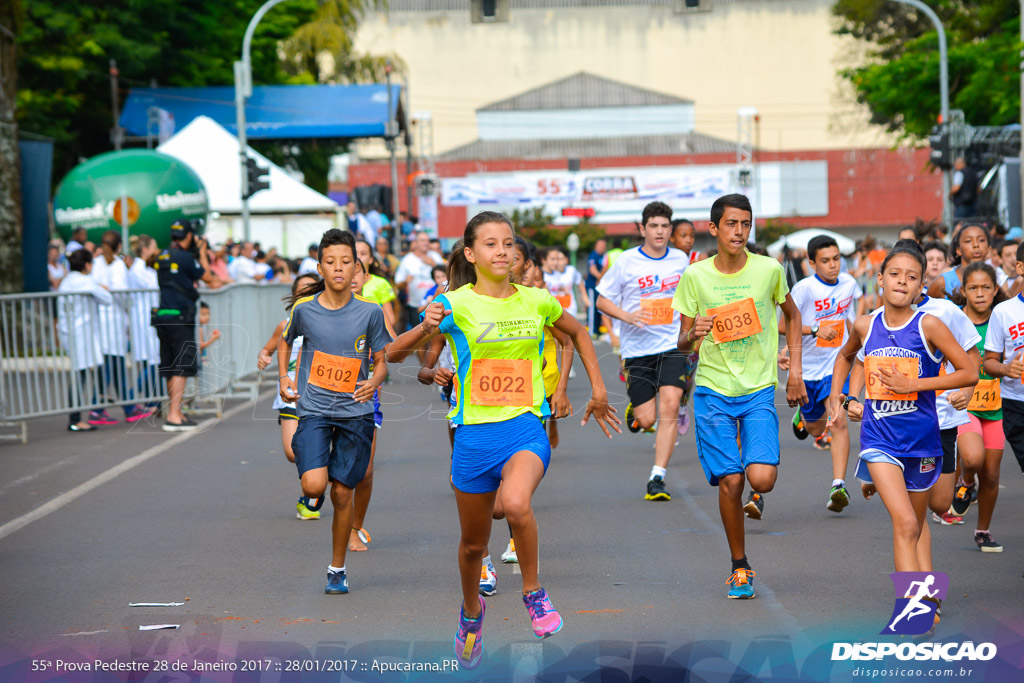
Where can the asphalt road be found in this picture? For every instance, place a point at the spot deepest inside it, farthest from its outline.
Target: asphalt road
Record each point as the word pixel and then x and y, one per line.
pixel 208 520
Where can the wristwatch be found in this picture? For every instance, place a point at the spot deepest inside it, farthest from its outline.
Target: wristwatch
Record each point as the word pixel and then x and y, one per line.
pixel 846 403
pixel 814 329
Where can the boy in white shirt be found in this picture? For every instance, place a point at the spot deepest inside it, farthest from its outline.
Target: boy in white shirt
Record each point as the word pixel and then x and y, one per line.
pixel 826 301
pixel 638 290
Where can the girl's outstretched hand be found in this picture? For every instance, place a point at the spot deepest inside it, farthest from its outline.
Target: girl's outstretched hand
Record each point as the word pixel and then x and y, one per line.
pixel 604 413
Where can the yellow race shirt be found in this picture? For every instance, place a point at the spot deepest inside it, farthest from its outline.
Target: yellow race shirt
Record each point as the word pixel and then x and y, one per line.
pixel 550 371
pixel 739 356
pixel 497 345
pixel 378 290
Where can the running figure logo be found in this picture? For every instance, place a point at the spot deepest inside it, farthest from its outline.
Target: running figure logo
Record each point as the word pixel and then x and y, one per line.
pixel 918 595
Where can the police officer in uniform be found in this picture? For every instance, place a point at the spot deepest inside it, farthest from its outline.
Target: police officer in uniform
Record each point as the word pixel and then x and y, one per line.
pixel 965 190
pixel 178 269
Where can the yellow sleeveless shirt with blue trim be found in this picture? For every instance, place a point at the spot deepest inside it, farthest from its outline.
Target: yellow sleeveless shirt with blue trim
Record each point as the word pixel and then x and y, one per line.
pixel 481 327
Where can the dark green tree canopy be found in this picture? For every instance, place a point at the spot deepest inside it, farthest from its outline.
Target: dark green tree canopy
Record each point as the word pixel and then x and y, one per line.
pixel 65 48
pixel 900 83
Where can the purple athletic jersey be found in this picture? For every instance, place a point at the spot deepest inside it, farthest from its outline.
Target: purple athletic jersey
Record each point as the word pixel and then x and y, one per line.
pixel 902 427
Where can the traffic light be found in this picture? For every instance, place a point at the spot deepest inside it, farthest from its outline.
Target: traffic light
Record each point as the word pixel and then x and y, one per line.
pixel 939 141
pixel 426 185
pixel 258 177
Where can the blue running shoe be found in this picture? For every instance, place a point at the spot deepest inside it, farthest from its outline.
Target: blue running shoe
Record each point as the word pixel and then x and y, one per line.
pixel 469 642
pixel 313 504
pixel 742 584
pixel 488 578
pixel 337 582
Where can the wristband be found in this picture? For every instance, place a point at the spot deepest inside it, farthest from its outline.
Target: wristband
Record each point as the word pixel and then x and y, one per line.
pixel 282 377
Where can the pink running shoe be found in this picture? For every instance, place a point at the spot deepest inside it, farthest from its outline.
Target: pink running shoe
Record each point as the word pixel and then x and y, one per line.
pixel 469 643
pixel 101 417
pixel 546 621
pixel 139 413
pixel 684 421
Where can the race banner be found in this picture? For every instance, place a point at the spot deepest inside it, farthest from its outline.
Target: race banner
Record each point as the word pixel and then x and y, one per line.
pixel 675 185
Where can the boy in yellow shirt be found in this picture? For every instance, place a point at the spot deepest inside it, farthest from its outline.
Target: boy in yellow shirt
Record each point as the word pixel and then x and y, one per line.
pixel 727 304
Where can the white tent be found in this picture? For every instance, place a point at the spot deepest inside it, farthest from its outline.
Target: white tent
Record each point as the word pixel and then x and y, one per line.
pixel 800 239
pixel 288 215
pixel 212 152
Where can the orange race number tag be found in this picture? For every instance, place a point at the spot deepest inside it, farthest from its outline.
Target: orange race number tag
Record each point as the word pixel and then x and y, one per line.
pixel 564 300
pixel 737 320
pixel 877 391
pixel 656 311
pixel 502 382
pixel 835 342
pixel 334 373
pixel 986 396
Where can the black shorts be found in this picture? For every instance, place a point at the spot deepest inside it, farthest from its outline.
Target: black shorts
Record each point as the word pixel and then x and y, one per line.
pixel 412 317
pixel 179 349
pixel 949 453
pixel 342 446
pixel 287 414
pixel 1013 428
pixel 645 374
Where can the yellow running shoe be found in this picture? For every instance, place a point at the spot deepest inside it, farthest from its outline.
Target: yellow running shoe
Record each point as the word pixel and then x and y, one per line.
pixel 305 513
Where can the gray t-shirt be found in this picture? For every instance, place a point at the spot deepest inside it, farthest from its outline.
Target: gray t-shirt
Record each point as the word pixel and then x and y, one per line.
pixel 336 350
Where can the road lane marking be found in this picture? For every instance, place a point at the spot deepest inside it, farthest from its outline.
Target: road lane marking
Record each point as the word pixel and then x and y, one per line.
pixel 35 475
pixel 63 499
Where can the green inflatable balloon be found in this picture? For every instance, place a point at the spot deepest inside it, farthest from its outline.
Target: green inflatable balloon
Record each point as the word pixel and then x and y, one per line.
pixel 146 190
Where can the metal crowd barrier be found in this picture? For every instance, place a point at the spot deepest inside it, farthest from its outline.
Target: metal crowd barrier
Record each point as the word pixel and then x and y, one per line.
pixel 62 353
pixel 245 316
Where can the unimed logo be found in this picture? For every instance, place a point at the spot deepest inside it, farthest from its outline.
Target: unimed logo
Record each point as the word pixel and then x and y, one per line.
pixel 918 596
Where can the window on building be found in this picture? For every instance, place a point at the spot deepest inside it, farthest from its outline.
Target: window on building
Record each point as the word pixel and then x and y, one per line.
pixel 488 11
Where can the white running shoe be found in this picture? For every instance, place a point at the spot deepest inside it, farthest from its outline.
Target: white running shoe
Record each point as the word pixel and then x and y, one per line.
pixel 509 556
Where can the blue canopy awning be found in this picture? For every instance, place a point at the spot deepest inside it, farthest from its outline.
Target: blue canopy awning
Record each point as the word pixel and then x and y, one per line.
pixel 274 112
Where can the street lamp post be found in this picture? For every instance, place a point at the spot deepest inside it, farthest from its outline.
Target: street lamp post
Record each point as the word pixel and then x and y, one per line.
pixel 390 138
pixel 943 89
pixel 243 89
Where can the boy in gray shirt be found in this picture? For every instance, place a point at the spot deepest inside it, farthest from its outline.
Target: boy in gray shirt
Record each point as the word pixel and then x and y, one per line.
pixel 335 432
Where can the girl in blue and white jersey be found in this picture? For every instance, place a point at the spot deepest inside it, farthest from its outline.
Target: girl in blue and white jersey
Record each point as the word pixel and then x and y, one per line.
pixel 901 452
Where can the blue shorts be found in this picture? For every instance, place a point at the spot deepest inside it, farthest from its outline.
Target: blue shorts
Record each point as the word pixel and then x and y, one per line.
pixel 721 418
pixel 920 474
pixel 481 450
pixel 378 416
pixel 342 446
pixel 818 391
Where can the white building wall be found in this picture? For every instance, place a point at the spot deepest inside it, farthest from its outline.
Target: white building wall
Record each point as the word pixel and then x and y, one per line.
pixel 779 56
pixel 590 122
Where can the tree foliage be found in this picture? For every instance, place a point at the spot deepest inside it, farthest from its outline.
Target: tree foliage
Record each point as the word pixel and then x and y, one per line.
pixel 11 18
pixel 773 229
pixel 65 48
pixel 65 51
pixel 538 227
pixel 900 82
pixel 323 48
